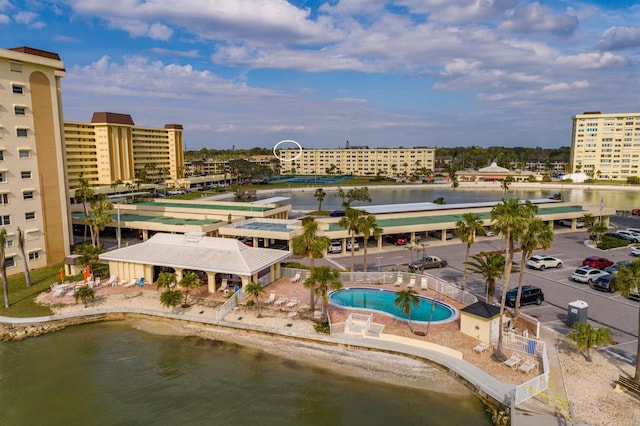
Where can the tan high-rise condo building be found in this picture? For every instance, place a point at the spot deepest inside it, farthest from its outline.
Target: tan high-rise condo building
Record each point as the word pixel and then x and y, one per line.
pixel 606 146
pixel 33 191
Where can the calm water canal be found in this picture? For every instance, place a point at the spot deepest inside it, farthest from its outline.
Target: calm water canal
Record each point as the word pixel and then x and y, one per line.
pixel 113 374
pixel 620 199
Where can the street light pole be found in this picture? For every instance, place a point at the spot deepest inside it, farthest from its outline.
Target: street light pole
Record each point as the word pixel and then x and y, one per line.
pixel 379 257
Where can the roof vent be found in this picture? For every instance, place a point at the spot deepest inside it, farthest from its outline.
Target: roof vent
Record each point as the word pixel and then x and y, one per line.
pixel 194 237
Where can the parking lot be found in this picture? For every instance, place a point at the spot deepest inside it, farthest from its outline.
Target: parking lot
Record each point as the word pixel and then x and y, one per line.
pixel 618 314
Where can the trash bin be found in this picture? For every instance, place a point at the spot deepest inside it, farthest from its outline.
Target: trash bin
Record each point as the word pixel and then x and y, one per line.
pixel 577 312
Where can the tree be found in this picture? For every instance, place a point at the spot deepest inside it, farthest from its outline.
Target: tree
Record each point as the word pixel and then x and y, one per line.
pixel 405 300
pixel 85 293
pixel 27 275
pixel 166 280
pixel 506 183
pixel 256 290
pixel 310 244
pixel 322 279
pixel 189 281
pixel 535 234
pixel 368 226
pixel 350 221
pixel 354 194
pixel 508 217
pixel 319 195
pixel 467 230
pixel 85 195
pixel 439 200
pixel 3 266
pixel 100 217
pixel 587 337
pixel 596 231
pixel 90 254
pixel 491 267
pixel 627 282
pixel 170 298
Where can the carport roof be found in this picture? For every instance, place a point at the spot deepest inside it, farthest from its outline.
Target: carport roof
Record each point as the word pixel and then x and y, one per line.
pixel 197 252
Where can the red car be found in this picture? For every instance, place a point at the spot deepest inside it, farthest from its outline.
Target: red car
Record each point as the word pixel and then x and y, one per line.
pixel 597 262
pixel 398 239
pixel 635 212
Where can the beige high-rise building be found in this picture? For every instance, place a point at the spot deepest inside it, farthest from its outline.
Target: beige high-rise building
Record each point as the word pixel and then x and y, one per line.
pixel 33 191
pixel 606 146
pixel 112 148
pixel 359 161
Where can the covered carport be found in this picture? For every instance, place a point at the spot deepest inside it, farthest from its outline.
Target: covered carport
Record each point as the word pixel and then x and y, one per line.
pixel 196 252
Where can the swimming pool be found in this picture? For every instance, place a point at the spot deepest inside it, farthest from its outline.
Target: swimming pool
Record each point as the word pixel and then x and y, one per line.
pixel 381 300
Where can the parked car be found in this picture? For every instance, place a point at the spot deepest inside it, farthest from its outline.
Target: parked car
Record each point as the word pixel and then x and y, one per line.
pixel 635 212
pixel 613 269
pixel 605 283
pixel 629 236
pixel 635 251
pixel 356 246
pixel 597 262
pixel 438 234
pixel 542 262
pixel 488 232
pixel 397 239
pixel 618 236
pixel 587 274
pixel 335 247
pixel 567 222
pixel 634 230
pixel 530 294
pixel 428 262
pixel 337 213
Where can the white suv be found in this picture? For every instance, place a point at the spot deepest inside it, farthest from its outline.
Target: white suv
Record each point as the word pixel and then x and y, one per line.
pixel 587 274
pixel 542 262
pixel 335 247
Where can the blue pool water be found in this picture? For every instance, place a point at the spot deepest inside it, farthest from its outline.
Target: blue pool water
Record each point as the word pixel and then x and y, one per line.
pixel 375 299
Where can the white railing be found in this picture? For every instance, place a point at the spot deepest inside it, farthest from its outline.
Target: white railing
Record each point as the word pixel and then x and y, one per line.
pixel 228 306
pixel 536 348
pixel 265 280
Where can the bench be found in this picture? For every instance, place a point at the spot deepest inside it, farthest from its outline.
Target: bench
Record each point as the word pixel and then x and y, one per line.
pixel 628 384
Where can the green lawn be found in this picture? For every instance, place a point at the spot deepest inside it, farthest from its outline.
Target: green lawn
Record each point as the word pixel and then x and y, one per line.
pixel 22 298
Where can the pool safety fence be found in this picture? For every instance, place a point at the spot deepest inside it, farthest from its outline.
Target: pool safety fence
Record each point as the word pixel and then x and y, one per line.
pixel 231 303
pixel 533 348
pixel 378 278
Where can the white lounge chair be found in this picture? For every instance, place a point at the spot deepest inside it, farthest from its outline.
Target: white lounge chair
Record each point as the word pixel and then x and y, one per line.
pixel 131 283
pixel 223 286
pixel 292 303
pixel 480 348
pixel 280 301
pixel 296 277
pixel 514 361
pixel 399 281
pixel 271 299
pixel 528 366
pixel 412 282
pixel 111 281
pixel 423 283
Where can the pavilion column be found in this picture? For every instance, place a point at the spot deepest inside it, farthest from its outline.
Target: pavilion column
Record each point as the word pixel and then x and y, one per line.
pixel 211 282
pixel 412 236
pixel 179 275
pixel 380 242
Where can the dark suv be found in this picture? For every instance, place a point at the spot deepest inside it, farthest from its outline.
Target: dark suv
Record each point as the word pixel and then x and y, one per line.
pixel 530 295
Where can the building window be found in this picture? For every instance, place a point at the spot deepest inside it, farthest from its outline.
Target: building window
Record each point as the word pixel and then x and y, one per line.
pixel 5 220
pixel 19 110
pixel 8 243
pixel 4 198
pixel 24 153
pixel 22 133
pixel 25 174
pixel 27 195
pixel 18 89
pixel 30 216
pixel 1 155
pixel 15 67
pixel 34 255
pixel 9 262
pixel 3 177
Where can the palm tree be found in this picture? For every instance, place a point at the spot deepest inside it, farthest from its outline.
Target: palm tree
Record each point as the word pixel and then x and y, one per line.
pixel 166 280
pixel 587 337
pixel 27 275
pixel 85 195
pixel 350 222
pixel 467 230
pixel 323 279
pixel 535 234
pixel 508 217
pixel 368 227
pixel 319 195
pixel 626 282
pixel 85 293
pixel 189 280
pixel 310 244
pixel 506 183
pixel 596 231
pixel 405 300
pixel 256 290
pixel 100 217
pixel 171 298
pixel 491 267
pixel 3 266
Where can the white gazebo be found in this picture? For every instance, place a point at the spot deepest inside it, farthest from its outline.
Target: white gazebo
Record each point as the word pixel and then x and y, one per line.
pixel 196 252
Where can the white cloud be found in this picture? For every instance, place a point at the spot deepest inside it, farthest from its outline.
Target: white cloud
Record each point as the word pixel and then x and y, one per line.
pixel 4 19
pixel 458 11
pixel 619 38
pixel 562 87
pixel 534 17
pixel 592 60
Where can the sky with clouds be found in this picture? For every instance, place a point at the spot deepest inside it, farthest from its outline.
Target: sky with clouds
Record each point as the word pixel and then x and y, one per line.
pixel 249 73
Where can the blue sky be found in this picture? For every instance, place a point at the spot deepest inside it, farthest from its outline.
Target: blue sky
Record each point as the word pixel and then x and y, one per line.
pixel 378 73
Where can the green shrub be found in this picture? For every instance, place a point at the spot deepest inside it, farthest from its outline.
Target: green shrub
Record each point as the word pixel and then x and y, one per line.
pixel 322 327
pixel 610 242
pixel 296 265
pixel 633 180
pixel 251 302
